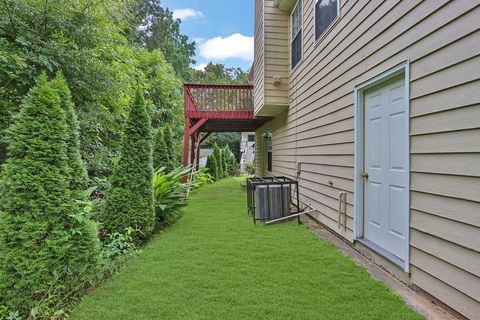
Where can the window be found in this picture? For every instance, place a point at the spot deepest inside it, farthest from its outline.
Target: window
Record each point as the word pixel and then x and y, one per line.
pixel 326 11
pixel 269 152
pixel 251 138
pixel 296 20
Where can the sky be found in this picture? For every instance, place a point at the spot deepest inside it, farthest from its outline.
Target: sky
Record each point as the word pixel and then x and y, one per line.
pixel 222 29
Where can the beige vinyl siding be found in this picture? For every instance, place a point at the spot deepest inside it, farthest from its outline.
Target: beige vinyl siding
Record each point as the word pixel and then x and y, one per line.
pixel 259 61
pixel 271 58
pixel 276 54
pixel 440 40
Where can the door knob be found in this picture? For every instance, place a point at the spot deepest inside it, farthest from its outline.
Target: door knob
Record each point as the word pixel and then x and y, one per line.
pixel 365 175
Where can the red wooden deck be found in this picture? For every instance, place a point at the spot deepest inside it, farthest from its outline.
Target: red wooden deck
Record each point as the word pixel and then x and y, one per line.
pixel 216 108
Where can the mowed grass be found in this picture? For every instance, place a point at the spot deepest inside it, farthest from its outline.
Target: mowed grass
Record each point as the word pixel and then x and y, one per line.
pixel 215 264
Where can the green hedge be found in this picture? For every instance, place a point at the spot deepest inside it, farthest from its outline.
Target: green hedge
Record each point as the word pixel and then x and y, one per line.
pixel 45 241
pixel 161 155
pixel 130 203
pixel 78 172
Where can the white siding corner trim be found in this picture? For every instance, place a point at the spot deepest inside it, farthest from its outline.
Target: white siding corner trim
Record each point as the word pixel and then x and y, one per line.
pixel 358 204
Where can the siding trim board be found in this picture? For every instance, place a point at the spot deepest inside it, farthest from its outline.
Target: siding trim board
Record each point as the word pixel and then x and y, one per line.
pixel 358 232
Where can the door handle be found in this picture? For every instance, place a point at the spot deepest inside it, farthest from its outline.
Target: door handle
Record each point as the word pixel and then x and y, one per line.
pixel 365 175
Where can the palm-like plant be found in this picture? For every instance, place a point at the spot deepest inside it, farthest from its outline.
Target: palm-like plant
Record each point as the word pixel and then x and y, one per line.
pixel 171 194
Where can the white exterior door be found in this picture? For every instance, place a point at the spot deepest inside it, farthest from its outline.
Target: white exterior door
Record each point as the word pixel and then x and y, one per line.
pixel 386 175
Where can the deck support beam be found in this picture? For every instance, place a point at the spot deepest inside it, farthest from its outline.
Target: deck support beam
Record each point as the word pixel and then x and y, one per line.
pixel 197 125
pixel 199 145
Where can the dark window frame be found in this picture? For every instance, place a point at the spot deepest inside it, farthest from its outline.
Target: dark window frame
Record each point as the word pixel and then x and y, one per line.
pixel 327 26
pixel 269 151
pixel 296 43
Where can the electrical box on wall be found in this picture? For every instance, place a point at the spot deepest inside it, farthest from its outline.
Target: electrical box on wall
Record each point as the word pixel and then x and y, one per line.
pixel 299 168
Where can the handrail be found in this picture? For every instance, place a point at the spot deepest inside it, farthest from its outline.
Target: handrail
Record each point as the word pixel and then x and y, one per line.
pixel 218 98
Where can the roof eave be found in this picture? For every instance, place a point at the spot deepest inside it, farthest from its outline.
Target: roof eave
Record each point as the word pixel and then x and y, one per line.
pixel 286 5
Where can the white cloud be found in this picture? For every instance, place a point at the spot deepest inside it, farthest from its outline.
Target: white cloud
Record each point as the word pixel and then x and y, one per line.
pixel 233 46
pixel 187 13
pixel 200 67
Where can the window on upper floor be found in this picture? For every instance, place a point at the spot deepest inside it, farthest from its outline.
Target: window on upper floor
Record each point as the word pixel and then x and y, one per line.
pixel 296 20
pixel 269 152
pixel 326 12
pixel 251 138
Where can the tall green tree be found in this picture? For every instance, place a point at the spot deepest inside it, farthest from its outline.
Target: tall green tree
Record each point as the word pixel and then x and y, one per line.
pixel 232 139
pixel 229 161
pixel 218 73
pixel 171 147
pixel 44 239
pixel 158 29
pixel 93 43
pixel 78 172
pixel 212 166
pixel 217 153
pixel 130 203
pixel 161 156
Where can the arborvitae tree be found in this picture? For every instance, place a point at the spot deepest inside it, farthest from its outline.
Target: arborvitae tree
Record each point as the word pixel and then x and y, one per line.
pixel 212 166
pixel 226 160
pixel 130 203
pixel 229 160
pixel 44 239
pixel 78 173
pixel 169 141
pixel 233 164
pixel 217 153
pixel 161 156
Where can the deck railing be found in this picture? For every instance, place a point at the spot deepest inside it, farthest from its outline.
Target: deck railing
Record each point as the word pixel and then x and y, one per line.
pixel 221 100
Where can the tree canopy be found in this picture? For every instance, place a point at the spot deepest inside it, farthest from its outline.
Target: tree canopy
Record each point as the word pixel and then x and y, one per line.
pixel 104 54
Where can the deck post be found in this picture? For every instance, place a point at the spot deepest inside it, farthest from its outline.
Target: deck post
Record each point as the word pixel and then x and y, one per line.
pixel 185 146
pixel 199 146
pixel 192 148
pixel 186 141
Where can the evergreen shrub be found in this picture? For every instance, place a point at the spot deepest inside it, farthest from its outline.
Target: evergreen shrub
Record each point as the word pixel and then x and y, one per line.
pixel 48 248
pixel 130 201
pixel 217 153
pixel 161 155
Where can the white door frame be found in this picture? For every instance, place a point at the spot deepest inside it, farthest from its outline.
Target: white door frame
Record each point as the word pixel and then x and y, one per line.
pixel 358 204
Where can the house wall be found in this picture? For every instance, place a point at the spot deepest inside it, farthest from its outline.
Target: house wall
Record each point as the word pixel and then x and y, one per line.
pixel 441 41
pixel 277 30
pixel 271 58
pixel 258 64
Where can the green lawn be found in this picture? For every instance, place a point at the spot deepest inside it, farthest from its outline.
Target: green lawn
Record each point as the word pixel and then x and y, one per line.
pixel 214 264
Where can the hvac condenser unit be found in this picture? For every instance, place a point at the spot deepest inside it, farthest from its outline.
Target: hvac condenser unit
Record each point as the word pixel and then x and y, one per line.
pixel 273 202
pixel 271 198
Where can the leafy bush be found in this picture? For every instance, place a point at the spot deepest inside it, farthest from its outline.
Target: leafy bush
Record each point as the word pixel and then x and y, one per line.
pixel 48 247
pixel 250 168
pixel 101 187
pixel 170 194
pixel 201 177
pixel 130 202
pixel 116 249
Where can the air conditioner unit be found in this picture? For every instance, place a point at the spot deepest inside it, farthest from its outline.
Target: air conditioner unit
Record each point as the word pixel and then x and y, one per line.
pixel 272 202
